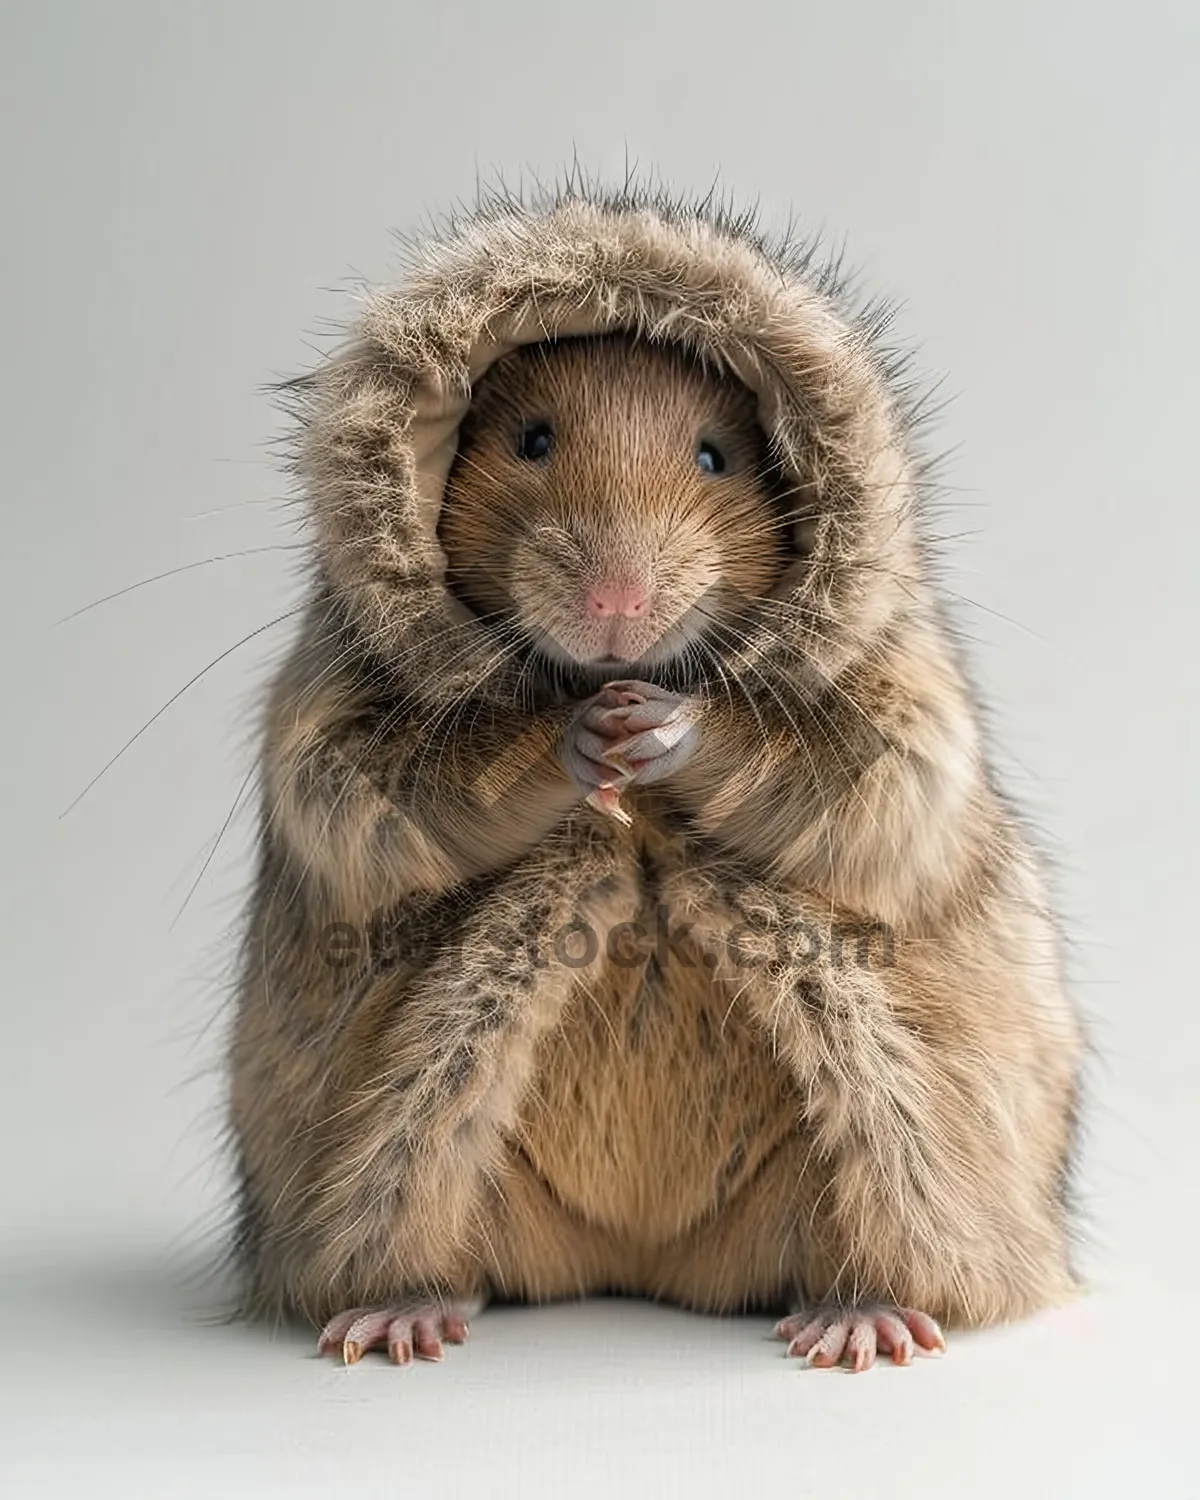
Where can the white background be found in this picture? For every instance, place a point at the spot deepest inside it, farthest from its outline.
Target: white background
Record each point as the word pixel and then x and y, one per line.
pixel 187 193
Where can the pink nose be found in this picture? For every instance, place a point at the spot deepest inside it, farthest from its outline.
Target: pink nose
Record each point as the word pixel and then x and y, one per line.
pixel 629 600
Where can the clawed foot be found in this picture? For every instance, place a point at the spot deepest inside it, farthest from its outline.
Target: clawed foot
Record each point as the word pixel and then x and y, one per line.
pixel 628 732
pixel 403 1329
pixel 823 1336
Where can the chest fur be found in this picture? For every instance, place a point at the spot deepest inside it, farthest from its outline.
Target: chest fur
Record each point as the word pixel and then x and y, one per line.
pixel 656 1097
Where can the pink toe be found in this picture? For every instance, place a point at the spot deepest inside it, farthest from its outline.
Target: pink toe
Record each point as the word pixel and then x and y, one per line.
pixel 334 1332
pixel 894 1338
pixel 400 1338
pixel 807 1334
pixel 830 1347
pixel 924 1330
pixel 426 1341
pixel 861 1344
pixel 365 1333
pixel 455 1330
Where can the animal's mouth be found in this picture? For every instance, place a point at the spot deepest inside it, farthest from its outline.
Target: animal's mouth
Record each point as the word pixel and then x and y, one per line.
pixel 645 648
pixel 679 670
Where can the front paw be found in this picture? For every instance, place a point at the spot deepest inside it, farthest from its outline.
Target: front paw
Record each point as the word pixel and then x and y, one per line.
pixel 402 1328
pixel 826 1334
pixel 629 732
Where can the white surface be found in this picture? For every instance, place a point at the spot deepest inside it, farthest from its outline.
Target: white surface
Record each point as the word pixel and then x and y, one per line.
pixel 120 1388
pixel 180 184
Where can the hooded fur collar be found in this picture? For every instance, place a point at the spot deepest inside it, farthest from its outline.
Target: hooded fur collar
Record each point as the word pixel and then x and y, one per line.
pixel 378 422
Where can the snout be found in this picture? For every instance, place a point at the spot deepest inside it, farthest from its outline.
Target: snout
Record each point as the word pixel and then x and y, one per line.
pixel 590 611
pixel 613 599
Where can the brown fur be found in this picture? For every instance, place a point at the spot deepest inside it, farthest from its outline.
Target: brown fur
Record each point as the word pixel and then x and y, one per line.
pixel 623 497
pixel 455 1108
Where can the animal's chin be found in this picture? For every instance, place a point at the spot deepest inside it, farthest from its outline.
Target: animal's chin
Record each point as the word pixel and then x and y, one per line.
pixel 674 668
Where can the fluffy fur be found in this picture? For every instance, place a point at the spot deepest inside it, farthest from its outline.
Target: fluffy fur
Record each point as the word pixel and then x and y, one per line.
pixel 426 1101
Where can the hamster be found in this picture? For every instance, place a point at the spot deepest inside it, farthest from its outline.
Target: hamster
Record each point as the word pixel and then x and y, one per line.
pixel 613 500
pixel 601 490
pixel 635 911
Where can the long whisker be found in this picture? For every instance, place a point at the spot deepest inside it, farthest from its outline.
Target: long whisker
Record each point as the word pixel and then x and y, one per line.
pixel 809 664
pixel 174 698
pixel 405 701
pixel 801 739
pixel 216 844
pixel 203 562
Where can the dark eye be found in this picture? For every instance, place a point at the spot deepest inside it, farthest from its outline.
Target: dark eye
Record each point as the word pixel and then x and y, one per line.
pixel 534 441
pixel 710 458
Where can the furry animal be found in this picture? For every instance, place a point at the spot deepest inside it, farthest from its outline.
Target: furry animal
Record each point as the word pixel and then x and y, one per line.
pixel 634 909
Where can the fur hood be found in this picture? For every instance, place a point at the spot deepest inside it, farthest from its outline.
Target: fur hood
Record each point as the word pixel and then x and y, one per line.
pixel 378 421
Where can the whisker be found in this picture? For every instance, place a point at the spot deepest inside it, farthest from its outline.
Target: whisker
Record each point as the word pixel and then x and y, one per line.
pixel 229 816
pixel 174 698
pixel 204 562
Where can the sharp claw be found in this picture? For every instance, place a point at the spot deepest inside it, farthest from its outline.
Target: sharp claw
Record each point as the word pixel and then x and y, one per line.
pixel 404 1330
pixel 827 1338
pixel 925 1331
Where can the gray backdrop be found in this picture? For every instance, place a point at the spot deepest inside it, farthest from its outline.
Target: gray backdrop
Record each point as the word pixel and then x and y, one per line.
pixel 187 192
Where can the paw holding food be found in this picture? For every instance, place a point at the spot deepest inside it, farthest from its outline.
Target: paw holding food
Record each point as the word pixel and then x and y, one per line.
pixel 629 732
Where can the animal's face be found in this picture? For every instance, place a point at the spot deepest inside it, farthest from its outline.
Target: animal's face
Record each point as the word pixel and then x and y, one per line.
pixel 613 499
